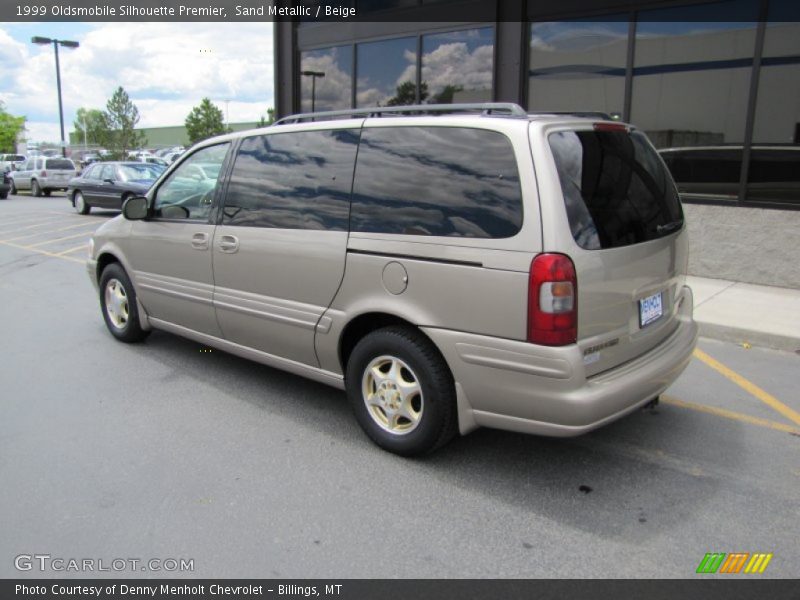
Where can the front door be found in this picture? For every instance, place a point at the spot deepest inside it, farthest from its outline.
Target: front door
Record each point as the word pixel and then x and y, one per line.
pixel 171 251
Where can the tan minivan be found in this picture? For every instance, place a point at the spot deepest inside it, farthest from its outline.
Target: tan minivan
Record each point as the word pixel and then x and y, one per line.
pixel 450 267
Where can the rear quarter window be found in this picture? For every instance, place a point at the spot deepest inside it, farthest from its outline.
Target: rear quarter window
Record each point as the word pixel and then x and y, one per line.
pixel 616 189
pixel 437 181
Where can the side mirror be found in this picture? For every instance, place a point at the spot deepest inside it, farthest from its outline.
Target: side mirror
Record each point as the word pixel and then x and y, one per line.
pixel 135 208
pixel 108 180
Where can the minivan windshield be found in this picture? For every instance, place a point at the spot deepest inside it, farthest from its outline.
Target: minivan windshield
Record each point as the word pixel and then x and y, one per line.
pixel 616 189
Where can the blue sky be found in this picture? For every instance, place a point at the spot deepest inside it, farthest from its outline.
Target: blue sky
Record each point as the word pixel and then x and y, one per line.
pixel 166 68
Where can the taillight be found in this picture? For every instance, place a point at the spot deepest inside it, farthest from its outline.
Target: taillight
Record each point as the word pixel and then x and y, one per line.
pixel 43 174
pixel 611 127
pixel 552 301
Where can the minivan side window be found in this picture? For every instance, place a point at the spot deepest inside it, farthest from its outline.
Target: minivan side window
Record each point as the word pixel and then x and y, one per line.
pixel 298 180
pixel 439 181
pixel 188 192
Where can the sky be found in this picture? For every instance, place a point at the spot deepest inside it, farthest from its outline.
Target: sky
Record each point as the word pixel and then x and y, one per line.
pixel 166 68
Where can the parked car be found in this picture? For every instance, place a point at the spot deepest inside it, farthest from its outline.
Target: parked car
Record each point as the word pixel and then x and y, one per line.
pixel 42 175
pixel 109 184
pixel 484 268
pixel 5 186
pixel 172 157
pixel 11 162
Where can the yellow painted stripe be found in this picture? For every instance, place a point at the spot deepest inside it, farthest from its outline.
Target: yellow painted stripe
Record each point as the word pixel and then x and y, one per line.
pixel 34 226
pixel 75 249
pixel 84 234
pixel 749 387
pixel 767 558
pixel 38 233
pixel 44 252
pixel 729 414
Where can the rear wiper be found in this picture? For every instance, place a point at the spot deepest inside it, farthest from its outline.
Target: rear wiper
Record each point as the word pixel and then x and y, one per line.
pixel 669 227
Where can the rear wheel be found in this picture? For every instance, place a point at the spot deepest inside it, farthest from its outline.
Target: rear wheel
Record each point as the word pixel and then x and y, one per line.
pixel 46 192
pixel 401 391
pixel 118 301
pixel 80 204
pixel 35 189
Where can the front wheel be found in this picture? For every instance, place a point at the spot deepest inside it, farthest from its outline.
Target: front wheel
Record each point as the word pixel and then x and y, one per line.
pixel 401 391
pixel 80 204
pixel 35 189
pixel 118 301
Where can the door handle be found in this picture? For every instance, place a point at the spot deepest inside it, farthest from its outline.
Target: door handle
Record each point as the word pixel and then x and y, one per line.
pixel 228 244
pixel 200 241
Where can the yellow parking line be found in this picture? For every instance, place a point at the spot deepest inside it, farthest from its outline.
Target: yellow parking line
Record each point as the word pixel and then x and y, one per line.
pixel 71 250
pixel 749 387
pixel 45 224
pixel 23 220
pixel 28 235
pixel 44 252
pixel 729 414
pixel 86 234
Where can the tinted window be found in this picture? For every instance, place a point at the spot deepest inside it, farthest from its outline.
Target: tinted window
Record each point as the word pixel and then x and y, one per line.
pixel 92 172
pixel 616 190
pixel 326 79
pixel 60 164
pixel 436 181
pixel 387 72
pixel 293 180
pixel 457 66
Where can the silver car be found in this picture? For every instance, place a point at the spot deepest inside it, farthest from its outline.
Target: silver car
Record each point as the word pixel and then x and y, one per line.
pixel 484 267
pixel 42 175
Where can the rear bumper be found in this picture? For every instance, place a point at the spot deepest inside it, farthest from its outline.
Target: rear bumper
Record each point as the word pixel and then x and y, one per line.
pixel 517 386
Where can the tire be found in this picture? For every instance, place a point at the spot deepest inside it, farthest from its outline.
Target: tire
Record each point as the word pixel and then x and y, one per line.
pixel 3 195
pixel 380 367
pixel 13 188
pixel 118 304
pixel 35 189
pixel 47 192
pixel 81 207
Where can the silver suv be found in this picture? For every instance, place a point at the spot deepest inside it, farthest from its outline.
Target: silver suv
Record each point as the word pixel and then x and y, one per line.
pixel 484 267
pixel 42 175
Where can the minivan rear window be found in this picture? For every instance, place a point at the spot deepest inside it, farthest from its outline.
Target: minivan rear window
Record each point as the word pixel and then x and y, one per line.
pixel 60 164
pixel 616 189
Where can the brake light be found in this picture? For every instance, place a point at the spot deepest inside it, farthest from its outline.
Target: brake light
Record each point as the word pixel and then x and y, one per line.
pixel 43 174
pixel 552 301
pixel 610 127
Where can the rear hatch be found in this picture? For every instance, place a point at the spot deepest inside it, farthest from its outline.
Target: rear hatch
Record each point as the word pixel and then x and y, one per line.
pixel 619 219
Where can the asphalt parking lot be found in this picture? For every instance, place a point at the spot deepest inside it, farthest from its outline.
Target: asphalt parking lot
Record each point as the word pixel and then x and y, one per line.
pixel 168 450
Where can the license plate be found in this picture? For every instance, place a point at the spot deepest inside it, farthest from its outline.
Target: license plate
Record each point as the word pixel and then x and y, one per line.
pixel 650 309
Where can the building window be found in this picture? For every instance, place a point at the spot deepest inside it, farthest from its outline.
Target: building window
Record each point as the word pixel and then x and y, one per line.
pixel 326 79
pixel 691 88
pixel 387 72
pixel 578 66
pixel 774 171
pixel 457 66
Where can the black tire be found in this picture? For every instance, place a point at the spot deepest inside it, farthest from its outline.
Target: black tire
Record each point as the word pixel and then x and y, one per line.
pixel 3 195
pixel 126 328
pixel 80 204
pixel 13 189
pixel 46 192
pixel 423 364
pixel 35 189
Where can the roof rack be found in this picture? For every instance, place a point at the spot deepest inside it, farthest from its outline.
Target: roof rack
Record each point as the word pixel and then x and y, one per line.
pixel 485 108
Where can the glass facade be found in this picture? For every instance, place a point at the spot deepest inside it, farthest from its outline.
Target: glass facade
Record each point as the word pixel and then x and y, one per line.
pixel 578 66
pixel 694 84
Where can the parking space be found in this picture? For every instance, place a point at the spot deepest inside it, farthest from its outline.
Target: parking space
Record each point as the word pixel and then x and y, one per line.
pixel 167 448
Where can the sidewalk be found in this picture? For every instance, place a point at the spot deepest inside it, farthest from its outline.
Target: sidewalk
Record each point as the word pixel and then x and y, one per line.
pixel 743 312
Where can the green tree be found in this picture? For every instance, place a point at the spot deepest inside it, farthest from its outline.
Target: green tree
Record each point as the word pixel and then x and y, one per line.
pixel 269 120
pixel 94 120
pixel 10 128
pixel 205 121
pixel 121 117
pixel 406 93
pixel 446 95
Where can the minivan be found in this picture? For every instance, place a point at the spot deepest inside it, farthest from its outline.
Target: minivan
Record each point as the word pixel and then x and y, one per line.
pixel 449 266
pixel 42 175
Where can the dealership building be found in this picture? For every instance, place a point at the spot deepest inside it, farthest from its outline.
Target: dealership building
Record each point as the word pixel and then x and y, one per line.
pixel 719 98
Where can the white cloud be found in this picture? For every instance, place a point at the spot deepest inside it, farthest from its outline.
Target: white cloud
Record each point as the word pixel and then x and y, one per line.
pixel 166 68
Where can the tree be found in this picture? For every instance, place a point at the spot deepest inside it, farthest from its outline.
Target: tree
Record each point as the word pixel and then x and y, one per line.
pixel 407 94
pixel 205 121
pixel 10 128
pixel 121 118
pixel 94 121
pixel 269 120
pixel 446 95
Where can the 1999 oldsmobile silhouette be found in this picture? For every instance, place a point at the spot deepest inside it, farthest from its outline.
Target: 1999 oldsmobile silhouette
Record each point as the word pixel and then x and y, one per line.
pixel 484 267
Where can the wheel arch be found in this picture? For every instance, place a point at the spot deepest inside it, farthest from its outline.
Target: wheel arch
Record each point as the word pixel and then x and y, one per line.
pixel 365 323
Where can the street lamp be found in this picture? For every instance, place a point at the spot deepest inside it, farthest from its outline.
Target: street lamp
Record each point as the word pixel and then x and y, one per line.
pixel 43 41
pixel 313 75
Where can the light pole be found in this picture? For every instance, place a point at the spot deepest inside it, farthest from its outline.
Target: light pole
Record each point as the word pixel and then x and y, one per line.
pixel 56 43
pixel 313 75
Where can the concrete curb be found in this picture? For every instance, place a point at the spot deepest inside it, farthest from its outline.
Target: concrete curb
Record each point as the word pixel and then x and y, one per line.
pixel 756 338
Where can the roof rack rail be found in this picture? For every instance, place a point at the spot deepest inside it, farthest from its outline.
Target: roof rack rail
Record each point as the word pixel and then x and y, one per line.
pixel 485 108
